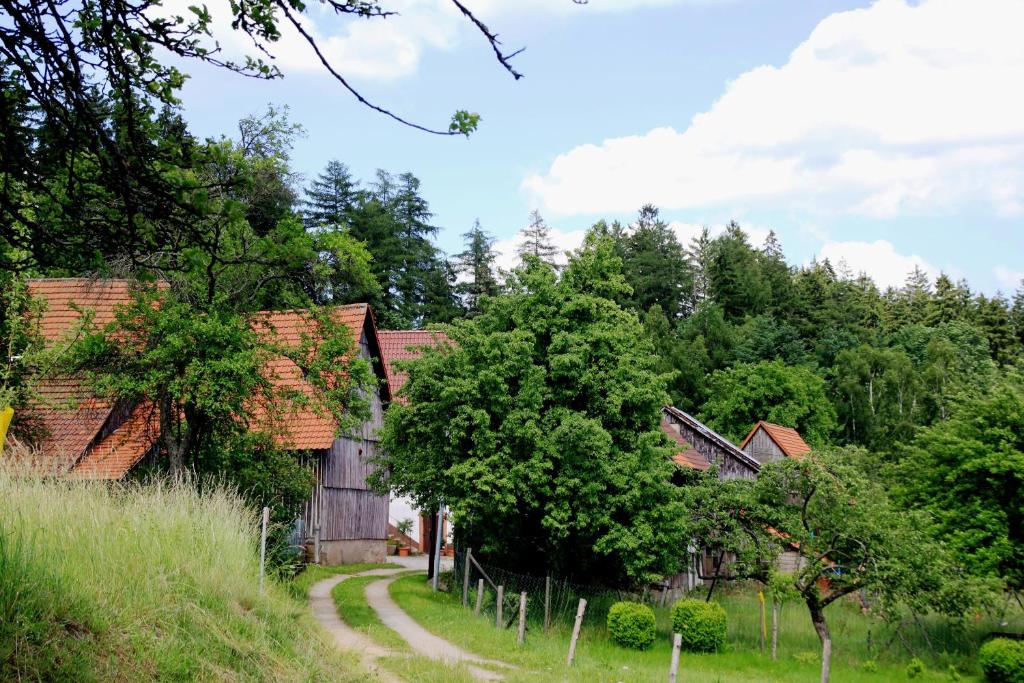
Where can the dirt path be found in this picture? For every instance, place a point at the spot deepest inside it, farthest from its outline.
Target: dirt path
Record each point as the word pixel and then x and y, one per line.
pixel 421 640
pixel 325 612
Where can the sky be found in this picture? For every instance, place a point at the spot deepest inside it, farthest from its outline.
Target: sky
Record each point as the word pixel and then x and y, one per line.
pixel 886 135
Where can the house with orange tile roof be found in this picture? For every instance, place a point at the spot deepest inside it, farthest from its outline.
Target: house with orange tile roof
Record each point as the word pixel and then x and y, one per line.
pixel 698 448
pixel 82 435
pixel 769 442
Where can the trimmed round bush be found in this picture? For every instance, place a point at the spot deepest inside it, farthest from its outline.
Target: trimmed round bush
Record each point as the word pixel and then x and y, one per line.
pixel 631 624
pixel 1002 660
pixel 701 624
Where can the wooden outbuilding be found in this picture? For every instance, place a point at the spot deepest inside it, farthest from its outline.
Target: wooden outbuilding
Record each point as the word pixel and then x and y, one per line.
pixel 82 435
pixel 769 442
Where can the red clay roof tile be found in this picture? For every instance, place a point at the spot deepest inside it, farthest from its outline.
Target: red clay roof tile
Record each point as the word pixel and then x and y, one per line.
pixel 398 345
pixel 787 439
pixel 688 456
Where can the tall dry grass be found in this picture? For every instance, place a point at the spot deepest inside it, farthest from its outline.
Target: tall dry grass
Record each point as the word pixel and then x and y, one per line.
pixel 129 581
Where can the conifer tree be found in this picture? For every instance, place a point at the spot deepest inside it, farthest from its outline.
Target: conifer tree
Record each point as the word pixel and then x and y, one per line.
pixel 476 265
pixel 699 254
pixel 331 197
pixel 951 301
pixel 537 240
pixel 656 267
pixel 992 316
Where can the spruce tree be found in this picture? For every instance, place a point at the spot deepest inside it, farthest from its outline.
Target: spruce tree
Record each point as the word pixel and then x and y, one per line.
pixel 331 197
pixel 699 254
pixel 476 265
pixel 656 267
pixel 537 240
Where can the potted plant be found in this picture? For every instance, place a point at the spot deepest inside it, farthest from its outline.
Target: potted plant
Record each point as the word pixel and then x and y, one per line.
pixel 392 546
pixel 404 527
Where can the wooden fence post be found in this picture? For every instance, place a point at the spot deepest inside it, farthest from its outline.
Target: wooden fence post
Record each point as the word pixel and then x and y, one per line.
pixel 522 617
pixel 263 545
pixel 547 602
pixel 763 630
pixel 576 630
pixel 479 596
pixel 775 629
pixel 677 642
pixel 465 578
pixel 501 600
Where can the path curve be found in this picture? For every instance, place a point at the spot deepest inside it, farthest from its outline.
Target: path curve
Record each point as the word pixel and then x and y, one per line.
pixel 420 639
pixel 326 613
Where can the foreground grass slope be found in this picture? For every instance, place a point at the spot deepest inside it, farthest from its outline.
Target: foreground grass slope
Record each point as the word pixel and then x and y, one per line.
pixel 124 582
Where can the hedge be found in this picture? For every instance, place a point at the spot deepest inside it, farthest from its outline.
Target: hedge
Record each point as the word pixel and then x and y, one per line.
pixel 701 624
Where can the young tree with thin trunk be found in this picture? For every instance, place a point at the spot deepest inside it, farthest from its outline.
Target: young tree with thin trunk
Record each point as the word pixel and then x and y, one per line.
pixel 850 538
pixel 537 240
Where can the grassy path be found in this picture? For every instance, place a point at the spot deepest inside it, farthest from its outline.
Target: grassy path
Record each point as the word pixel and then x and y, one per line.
pixel 420 639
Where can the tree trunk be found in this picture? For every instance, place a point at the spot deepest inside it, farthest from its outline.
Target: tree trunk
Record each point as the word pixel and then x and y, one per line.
pixel 174 446
pixel 821 628
pixel 431 544
pixel 775 630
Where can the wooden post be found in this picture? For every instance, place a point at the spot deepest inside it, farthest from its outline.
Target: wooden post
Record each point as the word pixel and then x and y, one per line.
pixel 547 602
pixel 465 578
pixel 263 545
pixel 437 545
pixel 775 629
pixel 501 600
pixel 677 642
pixel 664 595
pixel 576 630
pixel 522 617
pixel 763 630
pixel 479 596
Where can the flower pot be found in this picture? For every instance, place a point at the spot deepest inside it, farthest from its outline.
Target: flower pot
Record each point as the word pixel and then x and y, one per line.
pixel 403 551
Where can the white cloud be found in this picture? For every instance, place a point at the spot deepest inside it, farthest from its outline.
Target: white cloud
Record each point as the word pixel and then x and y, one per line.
pixel 882 111
pixel 880 260
pixel 1009 278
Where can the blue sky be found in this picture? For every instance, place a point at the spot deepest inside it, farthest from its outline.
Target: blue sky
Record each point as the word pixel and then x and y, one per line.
pixel 886 134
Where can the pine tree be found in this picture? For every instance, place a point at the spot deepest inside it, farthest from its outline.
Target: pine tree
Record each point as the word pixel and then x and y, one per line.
pixel 537 240
pixel 992 316
pixel 699 254
pixel 916 296
pixel 656 267
pixel 777 274
pixel 951 301
pixel 331 197
pixel 476 265
pixel 1017 317
pixel 737 282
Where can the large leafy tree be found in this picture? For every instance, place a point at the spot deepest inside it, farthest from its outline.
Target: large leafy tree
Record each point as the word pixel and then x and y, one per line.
pixel 538 426
pixel 792 396
pixel 968 473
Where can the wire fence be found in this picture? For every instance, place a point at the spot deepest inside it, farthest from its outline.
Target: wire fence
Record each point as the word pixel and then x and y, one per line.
pixel 552 602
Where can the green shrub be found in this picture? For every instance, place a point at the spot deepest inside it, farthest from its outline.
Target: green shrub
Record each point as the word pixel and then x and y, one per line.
pixel 702 625
pixel 1002 660
pixel 631 624
pixel 869 667
pixel 915 668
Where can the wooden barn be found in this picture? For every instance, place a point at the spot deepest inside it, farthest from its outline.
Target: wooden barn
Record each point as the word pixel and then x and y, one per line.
pixel 769 442
pixel 699 448
pixel 82 435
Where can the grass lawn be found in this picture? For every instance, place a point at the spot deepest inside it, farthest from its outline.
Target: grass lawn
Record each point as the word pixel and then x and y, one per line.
pixel 543 656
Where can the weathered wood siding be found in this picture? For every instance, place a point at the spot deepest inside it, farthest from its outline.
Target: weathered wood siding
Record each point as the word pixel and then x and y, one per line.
pixel 341 503
pixel 729 466
pixel 761 448
pixel 354 514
